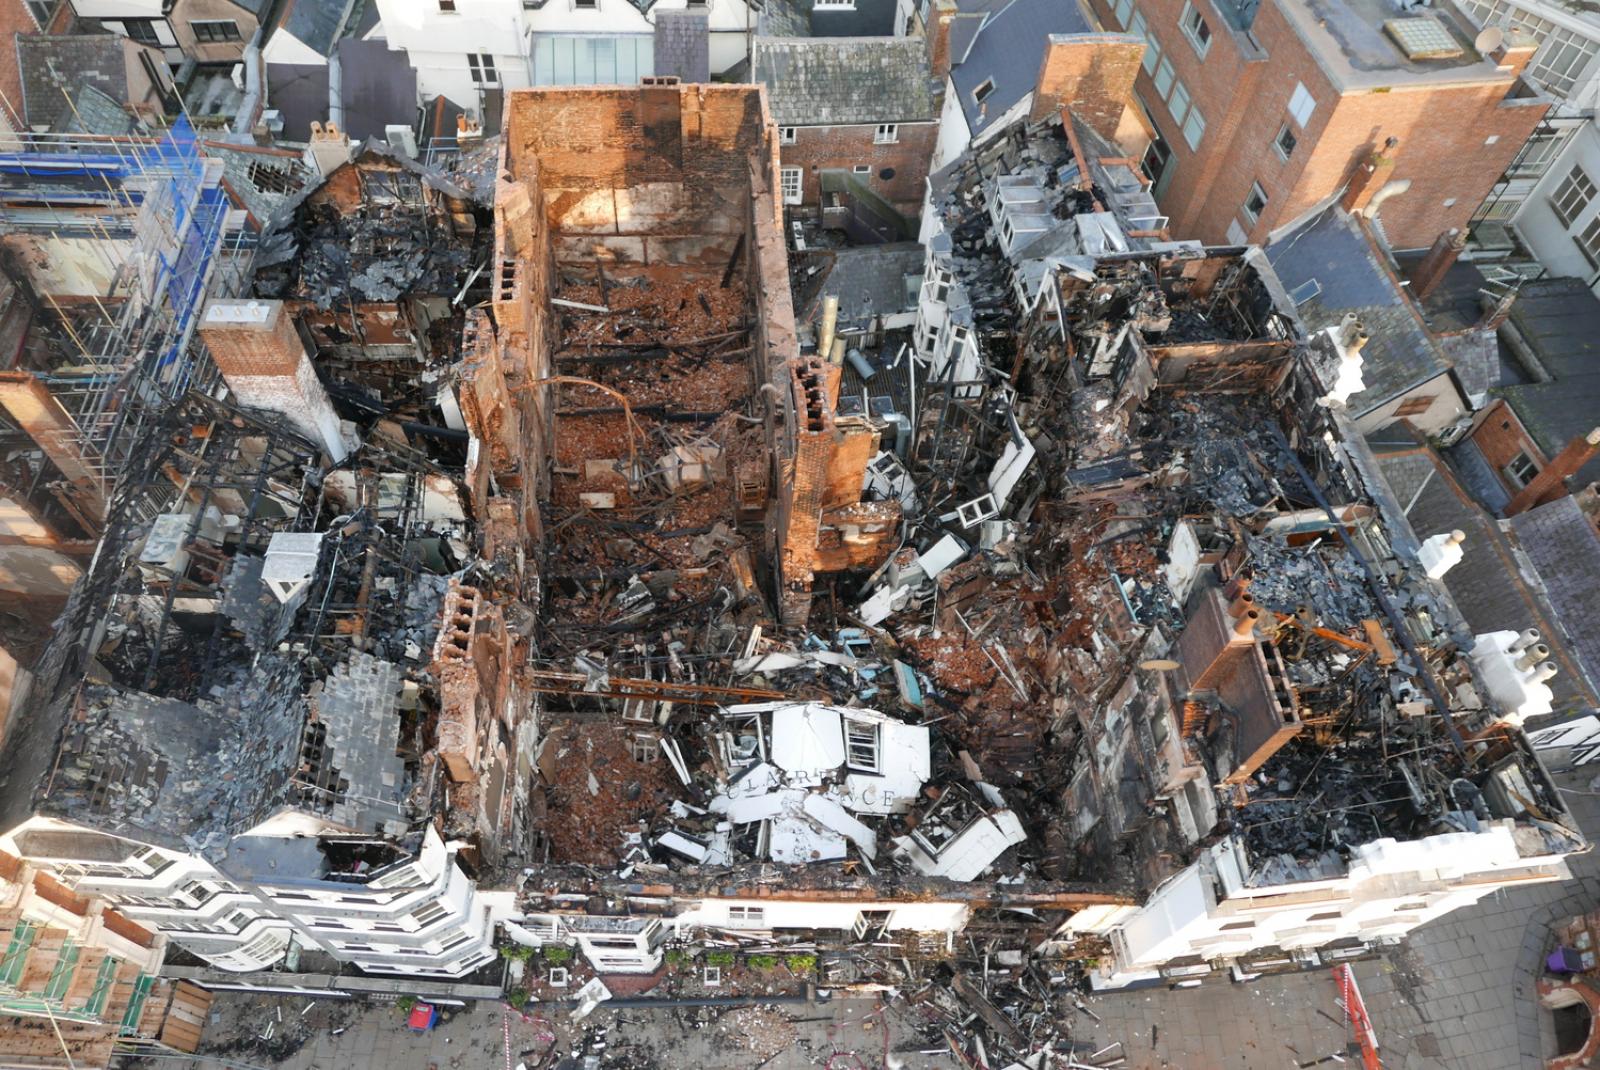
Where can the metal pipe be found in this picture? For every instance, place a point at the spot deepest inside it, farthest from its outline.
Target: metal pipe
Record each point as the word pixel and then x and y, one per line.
pixel 830 320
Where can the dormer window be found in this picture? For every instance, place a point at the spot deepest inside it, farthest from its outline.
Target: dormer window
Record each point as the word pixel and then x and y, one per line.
pixel 981 94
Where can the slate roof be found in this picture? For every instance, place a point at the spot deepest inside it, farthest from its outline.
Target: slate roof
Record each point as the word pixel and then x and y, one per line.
pixel 1488 586
pixel 683 45
pixel 378 92
pixel 1010 48
pixel 870 281
pixel 319 24
pixel 182 775
pixel 1562 544
pixel 845 80
pixel 1560 321
pixel 1332 251
pixel 50 65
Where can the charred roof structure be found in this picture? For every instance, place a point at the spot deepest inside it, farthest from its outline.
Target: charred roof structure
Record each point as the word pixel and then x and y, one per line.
pixel 519 570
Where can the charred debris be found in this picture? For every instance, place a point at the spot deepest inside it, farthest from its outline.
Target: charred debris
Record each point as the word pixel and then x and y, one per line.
pixel 910 649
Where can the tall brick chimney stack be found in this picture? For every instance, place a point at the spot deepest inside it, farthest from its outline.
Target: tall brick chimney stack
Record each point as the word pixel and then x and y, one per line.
pixel 1437 263
pixel 1369 176
pixel 940 14
pixel 1551 482
pixel 259 353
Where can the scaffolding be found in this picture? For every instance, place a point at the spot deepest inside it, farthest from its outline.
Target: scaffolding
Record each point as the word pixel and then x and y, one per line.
pixel 157 214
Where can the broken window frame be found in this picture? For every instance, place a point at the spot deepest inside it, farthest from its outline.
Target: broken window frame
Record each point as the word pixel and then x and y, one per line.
pixel 981 91
pixel 644 748
pixel 787 135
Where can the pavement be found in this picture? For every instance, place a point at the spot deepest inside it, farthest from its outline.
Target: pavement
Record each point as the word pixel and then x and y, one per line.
pixel 1456 995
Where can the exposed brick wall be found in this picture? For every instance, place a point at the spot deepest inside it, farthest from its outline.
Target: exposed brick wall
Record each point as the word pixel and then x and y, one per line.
pixel 1442 133
pixel 842 148
pixel 259 352
pixel 937 37
pixel 1093 74
pixel 1499 436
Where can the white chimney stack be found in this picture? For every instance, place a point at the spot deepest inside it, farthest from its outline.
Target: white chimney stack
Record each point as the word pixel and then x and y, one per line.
pixel 1441 553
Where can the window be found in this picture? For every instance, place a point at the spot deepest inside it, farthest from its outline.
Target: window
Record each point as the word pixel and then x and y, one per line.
pixel 644 748
pixel 789 179
pixel 1539 152
pixel 861 169
pixel 941 285
pixel 1194 128
pixel 1239 925
pixel 1301 105
pixel 1163 77
pixel 1285 141
pixel 142 30
pixel 1196 29
pixel 447 5
pixel 981 94
pixel 1327 915
pixel 1123 8
pixel 1152 52
pixel 738 915
pixel 425 915
pixel 1256 203
pixel 861 745
pixel 1563 55
pixel 1415 406
pixel 1521 470
pixel 215 30
pixel 1178 103
pixel 1572 196
pixel 481 64
pixel 786 135
pixel 1589 242
pixel 887 134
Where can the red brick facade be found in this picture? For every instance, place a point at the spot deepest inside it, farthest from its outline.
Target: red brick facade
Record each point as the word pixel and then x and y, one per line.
pixel 1454 141
pixel 1093 75
pixel 1499 436
pixel 820 148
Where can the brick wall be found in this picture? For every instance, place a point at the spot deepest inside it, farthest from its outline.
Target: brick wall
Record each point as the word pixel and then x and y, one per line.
pixel 843 148
pixel 1443 133
pixel 1499 436
pixel 1093 75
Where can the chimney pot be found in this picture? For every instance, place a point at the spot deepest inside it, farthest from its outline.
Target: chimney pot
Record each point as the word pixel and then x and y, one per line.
pixel 1245 626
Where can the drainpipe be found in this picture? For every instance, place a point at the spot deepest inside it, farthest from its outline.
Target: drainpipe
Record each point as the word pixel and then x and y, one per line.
pixel 244 120
pixel 1390 189
pixel 336 92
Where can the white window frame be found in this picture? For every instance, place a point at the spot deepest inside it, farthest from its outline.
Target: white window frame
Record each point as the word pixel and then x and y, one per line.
pixel 792 184
pixel 1164 77
pixel 1195 27
pixel 1572 197
pixel 1514 472
pixel 1286 130
pixel 1301 105
pixel 786 135
pixel 886 134
pixel 1588 241
pixel 1256 194
pixel 863 742
pixel 861 169
pixel 586 5
pixel 1194 127
pixel 747 916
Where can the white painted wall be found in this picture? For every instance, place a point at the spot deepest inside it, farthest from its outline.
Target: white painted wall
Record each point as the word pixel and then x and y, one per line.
pixel 1551 241
pixel 954 134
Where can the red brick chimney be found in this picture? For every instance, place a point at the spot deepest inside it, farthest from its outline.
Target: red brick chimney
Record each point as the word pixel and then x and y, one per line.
pixel 1093 76
pixel 1551 482
pixel 1437 263
pixel 941 13
pixel 259 352
pixel 1368 177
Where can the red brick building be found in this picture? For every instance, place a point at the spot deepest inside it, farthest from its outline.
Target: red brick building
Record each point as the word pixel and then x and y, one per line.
pixel 854 114
pixel 1267 109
